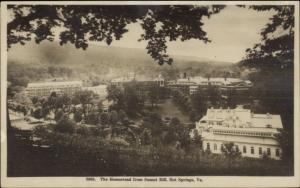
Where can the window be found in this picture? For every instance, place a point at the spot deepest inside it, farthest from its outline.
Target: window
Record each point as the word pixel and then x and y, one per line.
pixel 260 151
pixel 252 150
pixel 208 146
pixel 268 151
pixel 244 149
pixel 277 153
pixel 215 147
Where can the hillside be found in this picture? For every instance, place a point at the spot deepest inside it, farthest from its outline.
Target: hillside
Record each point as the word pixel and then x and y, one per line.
pixel 106 61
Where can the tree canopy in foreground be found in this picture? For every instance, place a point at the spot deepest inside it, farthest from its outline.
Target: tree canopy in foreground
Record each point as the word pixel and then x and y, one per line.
pixel 79 24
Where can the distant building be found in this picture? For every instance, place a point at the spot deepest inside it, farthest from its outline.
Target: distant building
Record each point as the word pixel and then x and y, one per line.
pixel 186 85
pixel 40 89
pixel 252 134
pixel 159 81
pixel 143 83
pixel 191 85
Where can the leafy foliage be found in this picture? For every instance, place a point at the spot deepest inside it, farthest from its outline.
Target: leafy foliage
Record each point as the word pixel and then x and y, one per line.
pixel 81 24
pixel 231 150
pixel 277 46
pixel 65 125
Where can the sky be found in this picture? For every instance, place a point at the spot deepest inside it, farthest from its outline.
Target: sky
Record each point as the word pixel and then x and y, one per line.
pixel 232 31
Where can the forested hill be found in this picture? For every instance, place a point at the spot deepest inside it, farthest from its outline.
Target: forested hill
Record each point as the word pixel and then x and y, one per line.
pixel 104 60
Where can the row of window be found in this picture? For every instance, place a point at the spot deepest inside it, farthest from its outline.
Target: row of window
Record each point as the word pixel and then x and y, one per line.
pixel 252 150
pixel 244 133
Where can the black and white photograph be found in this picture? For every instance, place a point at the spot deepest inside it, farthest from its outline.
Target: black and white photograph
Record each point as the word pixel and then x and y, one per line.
pixel 149 93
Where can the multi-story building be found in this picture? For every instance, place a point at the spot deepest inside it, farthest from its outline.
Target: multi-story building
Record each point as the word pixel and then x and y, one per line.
pixel 252 134
pixel 191 84
pixel 186 85
pixel 159 81
pixel 143 84
pixel 41 89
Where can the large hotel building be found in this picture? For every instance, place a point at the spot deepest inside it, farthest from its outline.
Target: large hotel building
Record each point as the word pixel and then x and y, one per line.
pixel 252 134
pixel 41 89
pixel 190 85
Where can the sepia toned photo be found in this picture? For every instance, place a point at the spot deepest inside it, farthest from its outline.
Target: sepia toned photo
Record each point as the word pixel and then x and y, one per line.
pixel 153 94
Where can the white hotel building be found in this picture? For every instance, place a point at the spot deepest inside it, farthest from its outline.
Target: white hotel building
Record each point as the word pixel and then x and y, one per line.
pixel 253 134
pixel 46 88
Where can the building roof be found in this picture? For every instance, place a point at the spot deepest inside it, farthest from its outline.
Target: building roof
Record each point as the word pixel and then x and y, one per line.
pixel 201 80
pixel 47 84
pixel 238 114
pixel 139 78
pixel 243 117
pixel 262 120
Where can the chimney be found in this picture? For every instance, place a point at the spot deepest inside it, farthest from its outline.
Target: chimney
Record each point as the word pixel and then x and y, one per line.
pixel 184 75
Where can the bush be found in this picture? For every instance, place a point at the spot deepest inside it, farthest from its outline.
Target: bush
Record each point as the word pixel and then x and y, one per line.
pixel 84 131
pixel 65 125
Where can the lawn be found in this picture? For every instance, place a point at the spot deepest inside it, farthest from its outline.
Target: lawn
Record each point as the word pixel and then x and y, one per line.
pixel 169 109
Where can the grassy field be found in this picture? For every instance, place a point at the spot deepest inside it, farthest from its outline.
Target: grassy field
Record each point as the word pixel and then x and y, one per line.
pixel 169 109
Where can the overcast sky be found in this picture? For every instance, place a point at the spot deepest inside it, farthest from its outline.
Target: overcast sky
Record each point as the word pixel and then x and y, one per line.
pixel 232 31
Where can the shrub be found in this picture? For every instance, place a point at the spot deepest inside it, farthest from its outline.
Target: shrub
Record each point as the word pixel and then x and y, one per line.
pixel 65 125
pixel 83 130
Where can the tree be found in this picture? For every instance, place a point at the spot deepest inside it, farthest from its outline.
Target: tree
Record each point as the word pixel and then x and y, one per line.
pixel 154 123
pixel 38 113
pixel 113 117
pixel 104 118
pixel 214 95
pixel 133 102
pixel 45 111
pixel 153 95
pixel 58 115
pixel 275 50
pixel 285 140
pixel 78 116
pixel 197 138
pixel 232 98
pixel 199 101
pixel 22 98
pixel 173 130
pixel 92 118
pixel 34 100
pixel 122 115
pixel 85 99
pixel 231 152
pixel 65 125
pixel 193 115
pixel 83 130
pixel 117 95
pixel 145 137
pixel 81 24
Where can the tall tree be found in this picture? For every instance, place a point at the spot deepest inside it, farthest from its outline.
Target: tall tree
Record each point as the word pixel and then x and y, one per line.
pixel 154 94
